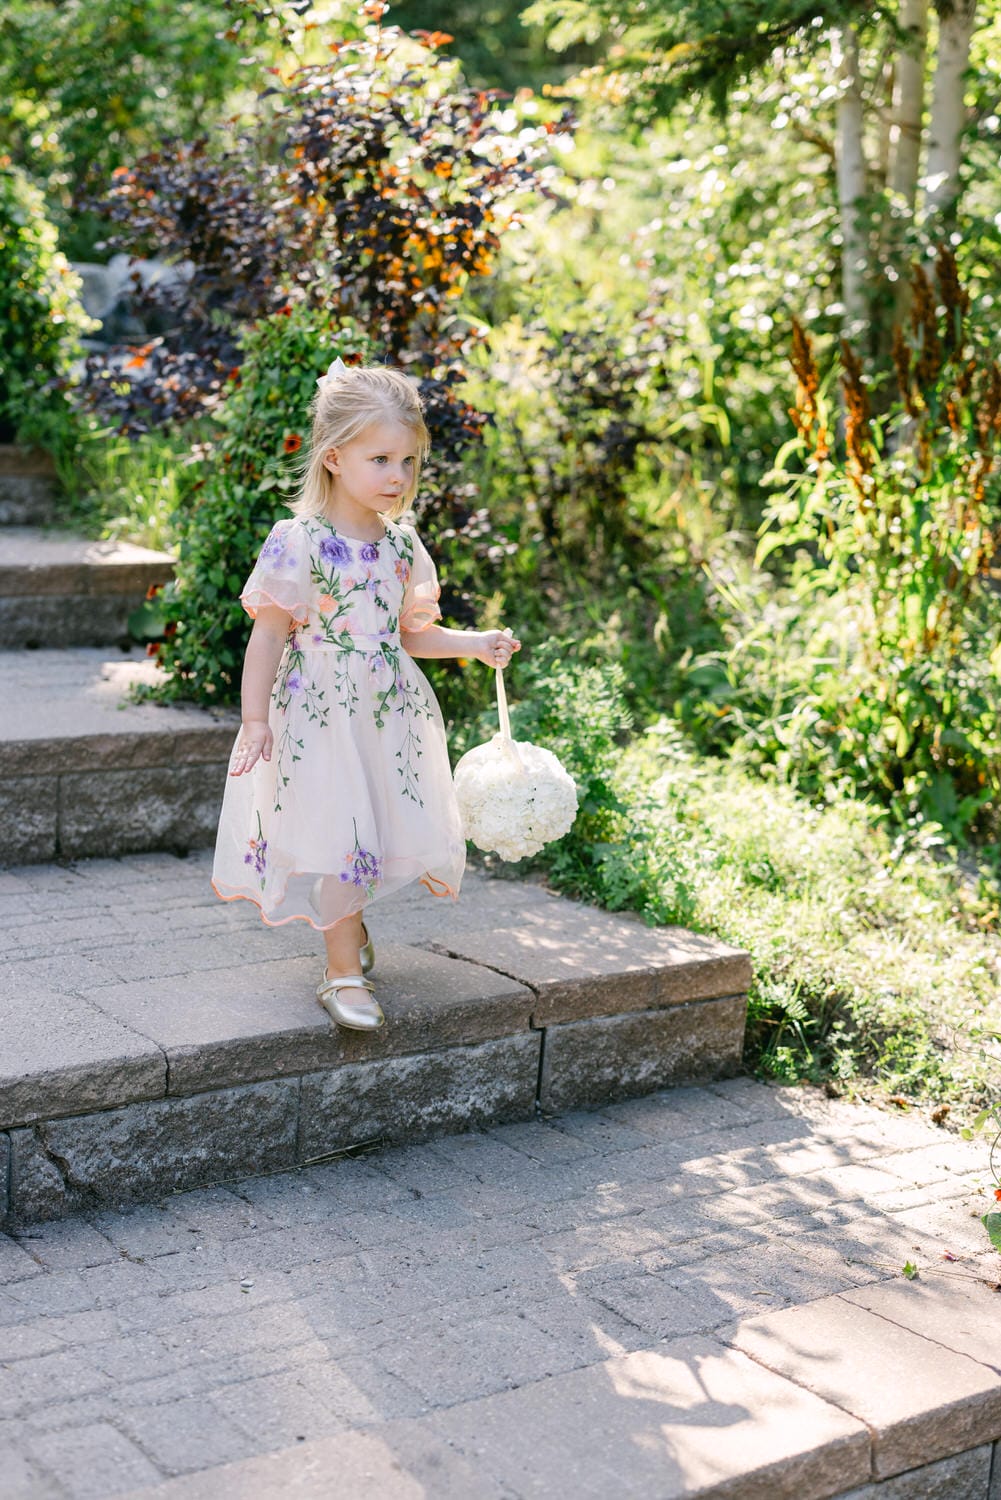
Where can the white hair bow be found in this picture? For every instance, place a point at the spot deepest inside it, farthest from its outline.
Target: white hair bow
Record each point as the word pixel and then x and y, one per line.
pixel 338 367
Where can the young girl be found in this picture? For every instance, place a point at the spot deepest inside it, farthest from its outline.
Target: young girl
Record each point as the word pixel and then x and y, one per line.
pixel 339 788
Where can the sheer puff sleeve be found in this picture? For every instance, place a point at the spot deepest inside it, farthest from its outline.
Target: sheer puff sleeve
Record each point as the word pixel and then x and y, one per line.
pixel 420 596
pixel 281 574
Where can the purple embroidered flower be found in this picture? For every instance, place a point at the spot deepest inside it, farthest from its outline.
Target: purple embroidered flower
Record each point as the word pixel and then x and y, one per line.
pixel 258 855
pixel 372 585
pixel 333 549
pixel 274 546
pixel 370 552
pixel 377 664
pixel 318 640
pixel 294 682
pixel 364 868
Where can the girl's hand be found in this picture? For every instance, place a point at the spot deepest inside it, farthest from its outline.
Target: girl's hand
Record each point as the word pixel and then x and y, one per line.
pixel 495 647
pixel 254 744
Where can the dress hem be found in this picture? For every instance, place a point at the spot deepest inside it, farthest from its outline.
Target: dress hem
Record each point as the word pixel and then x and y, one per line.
pixel 424 880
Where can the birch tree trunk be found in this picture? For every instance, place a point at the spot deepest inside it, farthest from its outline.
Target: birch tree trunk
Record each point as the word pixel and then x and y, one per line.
pixel 851 178
pixel 956 22
pixel 906 120
pixel 908 102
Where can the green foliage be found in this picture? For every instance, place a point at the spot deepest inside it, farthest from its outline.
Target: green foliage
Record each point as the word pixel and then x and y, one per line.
pixel 663 50
pixel 382 214
pixel 41 318
pixel 992 1223
pixel 685 250
pixel 495 47
pixel 88 84
pixel 579 712
pixel 581 407
pixel 237 491
pixel 878 664
pixel 133 488
pixel 824 902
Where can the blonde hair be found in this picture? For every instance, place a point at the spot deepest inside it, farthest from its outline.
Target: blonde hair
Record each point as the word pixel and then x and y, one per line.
pixel 347 402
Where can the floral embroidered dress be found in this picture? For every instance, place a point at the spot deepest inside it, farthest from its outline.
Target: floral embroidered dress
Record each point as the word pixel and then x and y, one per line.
pixel 357 798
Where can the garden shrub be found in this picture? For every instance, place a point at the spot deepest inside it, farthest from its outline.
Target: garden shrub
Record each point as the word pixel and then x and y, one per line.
pixel 86 83
pixel 382 213
pixel 881 667
pixel 318 213
pixel 41 318
pixel 584 473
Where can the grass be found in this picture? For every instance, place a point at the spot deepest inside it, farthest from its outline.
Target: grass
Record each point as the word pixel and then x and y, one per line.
pixel 876 967
pixel 125 488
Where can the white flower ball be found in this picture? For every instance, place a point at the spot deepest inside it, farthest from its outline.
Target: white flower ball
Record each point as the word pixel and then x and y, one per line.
pixel 514 797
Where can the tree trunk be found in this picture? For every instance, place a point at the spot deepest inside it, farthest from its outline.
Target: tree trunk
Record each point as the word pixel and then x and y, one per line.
pixel 956 22
pixel 851 176
pixel 905 138
pixel 908 102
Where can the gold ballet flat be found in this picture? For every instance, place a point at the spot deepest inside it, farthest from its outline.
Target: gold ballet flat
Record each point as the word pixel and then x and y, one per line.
pixel 366 952
pixel 366 1015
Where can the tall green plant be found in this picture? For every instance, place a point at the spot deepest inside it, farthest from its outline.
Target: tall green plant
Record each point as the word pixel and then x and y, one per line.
pixel 41 318
pixel 901 522
pixel 86 84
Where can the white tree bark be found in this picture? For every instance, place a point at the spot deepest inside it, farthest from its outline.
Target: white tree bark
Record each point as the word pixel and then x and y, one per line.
pixel 956 23
pixel 851 175
pixel 908 102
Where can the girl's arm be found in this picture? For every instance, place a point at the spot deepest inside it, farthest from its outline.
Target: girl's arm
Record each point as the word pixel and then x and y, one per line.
pixel 492 647
pixel 264 650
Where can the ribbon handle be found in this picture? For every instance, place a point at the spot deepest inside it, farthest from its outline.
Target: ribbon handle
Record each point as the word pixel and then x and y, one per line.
pixel 505 718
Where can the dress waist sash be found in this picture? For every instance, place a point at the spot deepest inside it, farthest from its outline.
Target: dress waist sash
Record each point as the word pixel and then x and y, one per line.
pixel 360 641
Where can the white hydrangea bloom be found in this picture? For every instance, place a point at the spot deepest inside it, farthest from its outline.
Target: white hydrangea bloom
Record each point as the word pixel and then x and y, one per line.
pixel 514 797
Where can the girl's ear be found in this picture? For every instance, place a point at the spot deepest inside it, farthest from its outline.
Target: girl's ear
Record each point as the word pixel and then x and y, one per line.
pixel 331 460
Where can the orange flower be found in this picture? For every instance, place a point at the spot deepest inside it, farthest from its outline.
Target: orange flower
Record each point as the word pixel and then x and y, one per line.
pixel 293 443
pixel 997 1194
pixel 327 604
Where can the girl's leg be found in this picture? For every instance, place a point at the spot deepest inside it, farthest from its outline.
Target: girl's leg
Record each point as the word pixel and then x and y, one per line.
pixel 343 941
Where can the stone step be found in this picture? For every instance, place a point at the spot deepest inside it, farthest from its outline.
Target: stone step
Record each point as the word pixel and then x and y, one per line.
pixel 147 1024
pixel 27 486
pixel 65 590
pixel 692 1419
pixel 83 771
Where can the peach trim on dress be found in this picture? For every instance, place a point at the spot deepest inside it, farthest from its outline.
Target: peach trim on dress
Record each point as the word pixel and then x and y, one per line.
pixel 286 609
pixel 419 609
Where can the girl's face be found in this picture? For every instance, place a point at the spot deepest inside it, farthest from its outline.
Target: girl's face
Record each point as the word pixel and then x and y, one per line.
pixel 373 470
